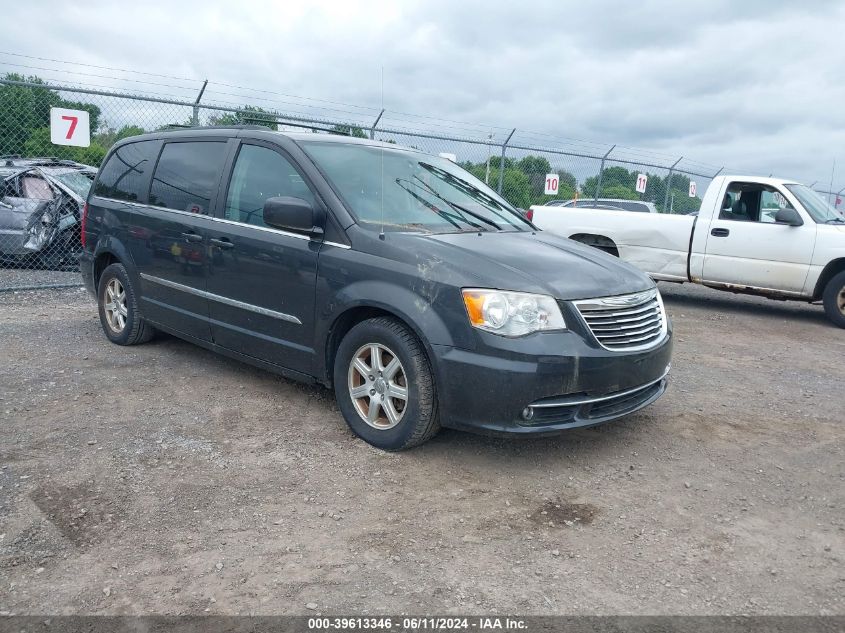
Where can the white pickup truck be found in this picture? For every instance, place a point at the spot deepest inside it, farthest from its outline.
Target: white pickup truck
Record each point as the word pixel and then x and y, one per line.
pixel 765 236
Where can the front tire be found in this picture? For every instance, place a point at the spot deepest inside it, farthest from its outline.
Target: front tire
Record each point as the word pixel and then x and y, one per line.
pixel 117 302
pixel 384 385
pixel 834 299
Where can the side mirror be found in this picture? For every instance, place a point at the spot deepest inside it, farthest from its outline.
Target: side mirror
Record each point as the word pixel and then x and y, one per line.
pixel 291 214
pixel 788 216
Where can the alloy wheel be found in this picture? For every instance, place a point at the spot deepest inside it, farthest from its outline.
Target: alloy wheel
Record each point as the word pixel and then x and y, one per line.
pixel 114 304
pixel 378 386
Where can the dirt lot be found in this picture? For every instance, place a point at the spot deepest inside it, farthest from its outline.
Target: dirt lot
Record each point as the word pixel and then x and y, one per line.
pixel 165 479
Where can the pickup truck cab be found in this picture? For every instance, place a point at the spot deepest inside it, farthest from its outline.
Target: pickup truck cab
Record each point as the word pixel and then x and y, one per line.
pixel 766 236
pixel 397 278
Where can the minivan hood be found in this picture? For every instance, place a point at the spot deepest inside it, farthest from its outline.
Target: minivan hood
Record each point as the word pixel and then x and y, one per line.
pixel 539 262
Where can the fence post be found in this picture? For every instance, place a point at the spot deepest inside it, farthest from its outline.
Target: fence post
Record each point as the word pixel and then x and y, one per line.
pixel 601 171
pixel 375 123
pixel 669 183
pixel 502 161
pixel 195 119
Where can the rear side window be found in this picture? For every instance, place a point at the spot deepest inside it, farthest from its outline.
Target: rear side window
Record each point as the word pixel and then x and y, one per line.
pixel 125 172
pixel 633 206
pixel 261 173
pixel 187 175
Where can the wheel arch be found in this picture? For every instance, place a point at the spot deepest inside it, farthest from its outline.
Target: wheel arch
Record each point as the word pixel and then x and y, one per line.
pixel 352 316
pixel 109 252
pixel 422 312
pixel 601 242
pixel 833 268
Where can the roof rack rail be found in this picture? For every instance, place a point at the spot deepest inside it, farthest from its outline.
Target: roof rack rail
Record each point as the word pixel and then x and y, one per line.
pixel 182 126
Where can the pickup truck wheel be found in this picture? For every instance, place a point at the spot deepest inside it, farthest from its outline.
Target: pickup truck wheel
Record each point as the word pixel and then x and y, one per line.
pixel 384 385
pixel 834 299
pixel 117 303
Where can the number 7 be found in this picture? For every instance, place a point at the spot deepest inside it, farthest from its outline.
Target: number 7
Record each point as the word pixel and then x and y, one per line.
pixel 73 121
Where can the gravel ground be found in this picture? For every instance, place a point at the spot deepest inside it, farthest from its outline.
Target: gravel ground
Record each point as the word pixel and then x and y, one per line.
pixel 13 278
pixel 165 479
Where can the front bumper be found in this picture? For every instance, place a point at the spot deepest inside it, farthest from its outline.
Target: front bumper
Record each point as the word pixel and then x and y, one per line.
pixel 545 383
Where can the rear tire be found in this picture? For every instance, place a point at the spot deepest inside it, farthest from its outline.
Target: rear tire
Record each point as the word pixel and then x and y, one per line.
pixel 834 299
pixel 384 385
pixel 117 303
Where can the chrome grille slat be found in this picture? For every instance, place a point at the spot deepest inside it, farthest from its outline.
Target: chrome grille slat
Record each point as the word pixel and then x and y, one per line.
pixel 621 323
pixel 628 317
pixel 630 333
pixel 588 312
pixel 627 322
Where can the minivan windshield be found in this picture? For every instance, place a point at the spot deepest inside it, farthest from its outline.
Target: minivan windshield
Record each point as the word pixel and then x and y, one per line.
pixel 421 192
pixel 816 206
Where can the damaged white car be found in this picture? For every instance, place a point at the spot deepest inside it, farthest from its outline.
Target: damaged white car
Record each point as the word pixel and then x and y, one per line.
pixel 41 203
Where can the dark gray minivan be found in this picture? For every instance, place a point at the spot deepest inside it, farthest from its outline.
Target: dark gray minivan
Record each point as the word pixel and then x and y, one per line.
pixel 397 278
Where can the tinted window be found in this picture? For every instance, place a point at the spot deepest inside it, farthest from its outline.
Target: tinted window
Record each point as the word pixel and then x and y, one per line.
pixel 261 173
pixel 125 172
pixel 632 206
pixel 187 175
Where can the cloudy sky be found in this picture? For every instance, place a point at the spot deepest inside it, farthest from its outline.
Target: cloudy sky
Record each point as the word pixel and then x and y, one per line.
pixel 756 85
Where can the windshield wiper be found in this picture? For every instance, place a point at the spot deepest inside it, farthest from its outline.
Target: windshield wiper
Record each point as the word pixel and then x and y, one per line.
pixel 431 207
pixel 476 194
pixel 835 220
pixel 458 207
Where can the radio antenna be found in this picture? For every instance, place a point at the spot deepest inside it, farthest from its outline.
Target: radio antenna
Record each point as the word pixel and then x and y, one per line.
pixel 381 192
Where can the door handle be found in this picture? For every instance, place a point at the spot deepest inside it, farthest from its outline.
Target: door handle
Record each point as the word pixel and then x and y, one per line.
pixel 192 237
pixel 222 243
pixel 720 232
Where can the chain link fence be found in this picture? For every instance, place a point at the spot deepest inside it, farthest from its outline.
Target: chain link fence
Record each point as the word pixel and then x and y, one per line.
pixel 45 185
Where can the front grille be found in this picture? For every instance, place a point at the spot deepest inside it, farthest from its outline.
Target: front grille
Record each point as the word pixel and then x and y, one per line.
pixel 625 322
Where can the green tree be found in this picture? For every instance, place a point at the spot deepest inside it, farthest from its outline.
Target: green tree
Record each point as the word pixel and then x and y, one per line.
pixel 611 176
pixel 680 202
pixel 620 192
pixel 495 161
pixel 248 115
pixel 23 110
pixel 350 130
pixel 565 192
pixel 535 165
pixel 109 136
pixel 39 144
pixel 516 186
pixel 92 110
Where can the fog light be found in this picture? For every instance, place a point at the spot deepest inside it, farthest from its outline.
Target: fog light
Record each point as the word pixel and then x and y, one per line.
pixel 527 413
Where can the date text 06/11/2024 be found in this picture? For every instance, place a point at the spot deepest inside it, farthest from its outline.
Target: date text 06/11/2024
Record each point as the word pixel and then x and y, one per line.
pixel 420 623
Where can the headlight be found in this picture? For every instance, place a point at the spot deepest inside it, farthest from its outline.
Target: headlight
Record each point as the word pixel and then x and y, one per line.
pixel 511 313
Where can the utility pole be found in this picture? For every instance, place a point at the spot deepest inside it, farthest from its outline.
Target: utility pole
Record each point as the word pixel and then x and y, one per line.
pixel 195 119
pixel 375 123
pixel 487 170
pixel 601 171
pixel 502 162
pixel 669 182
